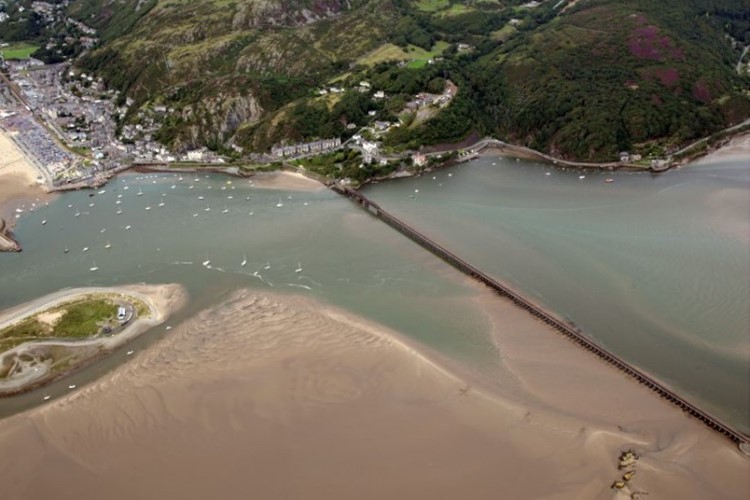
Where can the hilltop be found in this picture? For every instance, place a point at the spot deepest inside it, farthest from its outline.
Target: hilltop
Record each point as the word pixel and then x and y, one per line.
pixel 579 79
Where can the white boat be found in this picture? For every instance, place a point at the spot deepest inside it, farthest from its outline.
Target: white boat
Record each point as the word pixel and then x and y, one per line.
pixel 244 261
pixel 206 262
pixel 118 212
pixel 299 268
pixel 102 191
pixel 161 202
pixel 140 192
pixel 207 209
pixel 46 397
pixel 128 226
pixel 267 266
pixel 191 187
pixel 66 250
pixel 130 352
pixel 44 222
pixel 126 188
pixel 108 245
pixel 119 196
pixel 226 210
pixel 230 197
pixel 148 208
pixel 200 197
pixel 72 386
pixel 85 249
pixel 78 214
pixel 172 186
pixel 279 204
pixel 195 215
pixel 581 176
pixel 94 267
pixel 118 202
pixel 91 204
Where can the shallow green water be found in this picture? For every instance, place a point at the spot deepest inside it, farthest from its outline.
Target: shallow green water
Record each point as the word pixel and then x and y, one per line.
pixel 347 259
pixel 655 268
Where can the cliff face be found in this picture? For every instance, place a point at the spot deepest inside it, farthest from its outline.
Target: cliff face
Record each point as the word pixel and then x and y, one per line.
pixel 583 79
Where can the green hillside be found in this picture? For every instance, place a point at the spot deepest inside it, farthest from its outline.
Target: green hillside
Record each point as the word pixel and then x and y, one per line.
pixel 582 79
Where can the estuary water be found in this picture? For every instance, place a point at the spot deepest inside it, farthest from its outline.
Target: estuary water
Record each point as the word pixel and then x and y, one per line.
pixel 653 267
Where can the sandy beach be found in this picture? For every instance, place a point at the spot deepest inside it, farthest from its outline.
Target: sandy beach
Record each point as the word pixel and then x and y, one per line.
pixel 291 181
pixel 738 147
pixel 286 397
pixel 18 180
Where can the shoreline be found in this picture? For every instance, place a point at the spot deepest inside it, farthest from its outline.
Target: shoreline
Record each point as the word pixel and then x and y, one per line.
pixel 19 189
pixel 434 427
pixel 161 300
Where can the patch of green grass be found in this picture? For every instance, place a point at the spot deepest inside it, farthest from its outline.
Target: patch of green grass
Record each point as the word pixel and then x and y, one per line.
pixel 432 5
pixel 454 10
pixel 18 51
pixel 82 319
pixel 30 327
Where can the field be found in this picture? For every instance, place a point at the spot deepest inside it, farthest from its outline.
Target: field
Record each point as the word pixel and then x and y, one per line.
pixel 18 51
pixel 416 56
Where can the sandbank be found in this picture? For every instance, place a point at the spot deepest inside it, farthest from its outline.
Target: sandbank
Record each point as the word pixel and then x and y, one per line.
pixel 286 397
pixel 738 148
pixel 18 180
pixel 290 181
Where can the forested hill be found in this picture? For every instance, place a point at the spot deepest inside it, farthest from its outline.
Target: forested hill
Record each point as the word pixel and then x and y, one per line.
pixel 579 78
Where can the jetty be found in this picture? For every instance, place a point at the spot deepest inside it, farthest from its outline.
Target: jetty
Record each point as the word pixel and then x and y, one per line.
pixel 562 326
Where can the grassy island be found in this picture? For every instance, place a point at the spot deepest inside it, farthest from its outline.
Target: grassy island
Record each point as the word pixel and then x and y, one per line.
pixel 51 340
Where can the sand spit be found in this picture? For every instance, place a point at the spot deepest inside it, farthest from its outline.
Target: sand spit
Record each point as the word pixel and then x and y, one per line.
pixel 36 357
pixel 282 180
pixel 282 397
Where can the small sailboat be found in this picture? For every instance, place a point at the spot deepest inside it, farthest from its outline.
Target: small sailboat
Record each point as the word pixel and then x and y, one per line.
pixel 130 353
pixel 207 209
pixel 191 187
pixel 140 192
pixel 127 227
pixel 66 250
pixel 244 261
pixel 72 386
pixel 118 212
pixel 267 266
pixel 46 398
pixel 206 262
pixel 161 202
pixel 108 245
pixel 230 197
pixel 126 188
pixel 200 197
pixel 279 204
pixel 118 202
pixel 85 249
pixel 78 214
pixel 299 268
pixel 44 222
pixel 148 207
pixel 94 267
pixel 226 210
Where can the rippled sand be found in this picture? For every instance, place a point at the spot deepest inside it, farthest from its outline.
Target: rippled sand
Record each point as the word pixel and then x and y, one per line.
pixel 282 397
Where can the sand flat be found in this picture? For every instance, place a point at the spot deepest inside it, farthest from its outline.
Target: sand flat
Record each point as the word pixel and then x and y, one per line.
pixel 272 396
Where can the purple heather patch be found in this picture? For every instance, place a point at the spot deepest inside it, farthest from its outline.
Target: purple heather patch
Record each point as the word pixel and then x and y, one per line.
pixel 645 43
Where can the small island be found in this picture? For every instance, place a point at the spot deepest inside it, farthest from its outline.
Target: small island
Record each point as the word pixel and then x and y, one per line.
pixel 49 338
